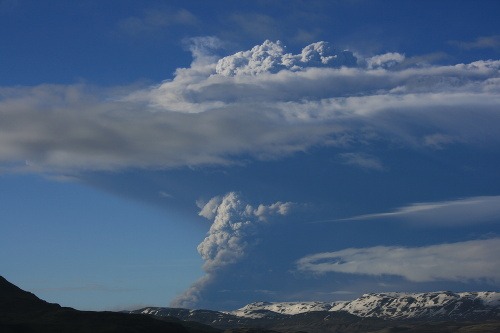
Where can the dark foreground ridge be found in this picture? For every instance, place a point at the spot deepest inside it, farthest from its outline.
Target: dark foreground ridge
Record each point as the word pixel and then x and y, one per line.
pixel 21 311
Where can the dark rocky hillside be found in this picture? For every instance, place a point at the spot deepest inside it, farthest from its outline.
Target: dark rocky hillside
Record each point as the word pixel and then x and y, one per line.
pixel 21 312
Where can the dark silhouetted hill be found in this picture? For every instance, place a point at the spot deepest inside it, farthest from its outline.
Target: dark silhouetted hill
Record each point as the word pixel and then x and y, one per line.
pixel 23 312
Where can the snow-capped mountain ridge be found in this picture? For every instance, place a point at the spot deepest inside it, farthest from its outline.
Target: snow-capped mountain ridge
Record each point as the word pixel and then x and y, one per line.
pixel 257 309
pixel 370 312
pixel 392 305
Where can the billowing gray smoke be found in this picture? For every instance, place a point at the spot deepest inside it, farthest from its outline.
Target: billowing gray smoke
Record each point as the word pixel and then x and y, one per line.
pixel 232 234
pixel 270 57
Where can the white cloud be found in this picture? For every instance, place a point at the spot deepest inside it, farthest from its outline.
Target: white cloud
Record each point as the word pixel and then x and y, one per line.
pixel 484 42
pixel 202 49
pixel 386 60
pixel 201 117
pixel 473 210
pixel 438 141
pixel 164 194
pixel 463 261
pixel 362 160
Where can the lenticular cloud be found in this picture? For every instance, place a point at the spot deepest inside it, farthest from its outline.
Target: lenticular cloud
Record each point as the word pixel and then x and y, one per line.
pixel 463 261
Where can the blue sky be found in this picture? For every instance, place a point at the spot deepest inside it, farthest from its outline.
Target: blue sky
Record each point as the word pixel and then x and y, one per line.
pixel 208 154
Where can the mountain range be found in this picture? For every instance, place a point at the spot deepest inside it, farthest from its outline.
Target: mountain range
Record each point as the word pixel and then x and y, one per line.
pixel 432 305
pixel 22 311
pixel 420 312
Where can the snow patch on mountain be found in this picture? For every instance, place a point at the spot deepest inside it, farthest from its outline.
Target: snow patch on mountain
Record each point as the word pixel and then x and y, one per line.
pixel 421 305
pixel 433 305
pixel 260 309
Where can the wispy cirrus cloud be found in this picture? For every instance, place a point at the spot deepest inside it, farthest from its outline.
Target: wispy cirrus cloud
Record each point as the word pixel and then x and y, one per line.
pixel 483 42
pixel 473 210
pixel 439 141
pixel 362 160
pixel 462 261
